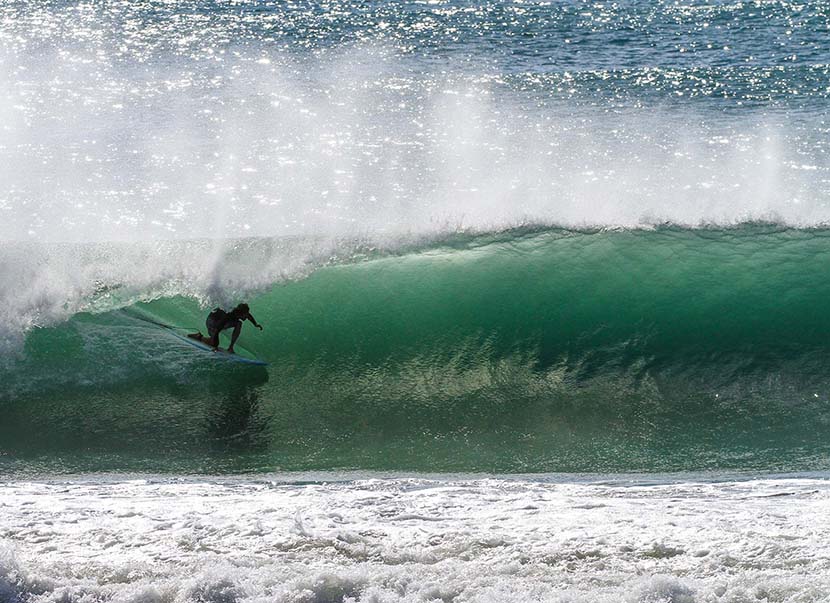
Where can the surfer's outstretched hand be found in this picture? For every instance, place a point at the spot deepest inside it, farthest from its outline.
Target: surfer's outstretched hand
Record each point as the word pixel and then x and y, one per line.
pixel 259 327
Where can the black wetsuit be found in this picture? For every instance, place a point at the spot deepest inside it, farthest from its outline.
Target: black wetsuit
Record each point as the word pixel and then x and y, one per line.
pixel 219 320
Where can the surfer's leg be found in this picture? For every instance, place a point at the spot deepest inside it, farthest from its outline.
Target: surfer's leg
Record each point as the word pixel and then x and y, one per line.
pixel 213 341
pixel 213 331
pixel 236 330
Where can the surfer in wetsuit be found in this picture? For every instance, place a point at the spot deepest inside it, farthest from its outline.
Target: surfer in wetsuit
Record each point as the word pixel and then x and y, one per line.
pixel 219 320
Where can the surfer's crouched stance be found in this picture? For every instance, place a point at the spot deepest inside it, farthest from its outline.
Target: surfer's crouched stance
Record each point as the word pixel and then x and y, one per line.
pixel 219 320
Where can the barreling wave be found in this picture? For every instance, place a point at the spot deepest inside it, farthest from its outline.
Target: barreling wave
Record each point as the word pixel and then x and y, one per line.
pixel 527 350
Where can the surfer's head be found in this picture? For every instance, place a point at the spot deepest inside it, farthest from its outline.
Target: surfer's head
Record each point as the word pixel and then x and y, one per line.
pixel 242 310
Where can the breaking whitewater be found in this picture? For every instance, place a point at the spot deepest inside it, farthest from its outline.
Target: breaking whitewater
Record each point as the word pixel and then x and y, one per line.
pixel 336 537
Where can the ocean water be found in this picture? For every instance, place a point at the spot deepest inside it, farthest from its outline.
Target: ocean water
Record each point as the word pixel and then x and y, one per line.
pixel 543 284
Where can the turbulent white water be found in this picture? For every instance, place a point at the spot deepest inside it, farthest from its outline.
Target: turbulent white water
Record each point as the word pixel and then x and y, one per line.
pixel 335 537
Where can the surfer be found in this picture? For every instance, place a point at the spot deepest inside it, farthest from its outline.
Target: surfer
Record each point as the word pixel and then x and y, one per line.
pixel 219 320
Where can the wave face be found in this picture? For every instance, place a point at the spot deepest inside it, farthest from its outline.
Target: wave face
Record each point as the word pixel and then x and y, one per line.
pixel 522 351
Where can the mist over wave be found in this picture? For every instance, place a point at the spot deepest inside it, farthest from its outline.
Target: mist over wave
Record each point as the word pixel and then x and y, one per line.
pixel 261 150
pixel 226 124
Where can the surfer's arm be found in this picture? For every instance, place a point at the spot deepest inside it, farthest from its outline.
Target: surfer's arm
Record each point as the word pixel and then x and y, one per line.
pixel 253 321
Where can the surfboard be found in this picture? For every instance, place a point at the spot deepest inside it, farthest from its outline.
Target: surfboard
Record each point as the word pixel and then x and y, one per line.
pixel 219 353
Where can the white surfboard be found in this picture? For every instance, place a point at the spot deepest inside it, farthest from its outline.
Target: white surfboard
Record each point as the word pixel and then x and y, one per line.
pixel 219 353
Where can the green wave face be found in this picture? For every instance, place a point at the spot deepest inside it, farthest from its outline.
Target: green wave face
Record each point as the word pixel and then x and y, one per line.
pixel 522 352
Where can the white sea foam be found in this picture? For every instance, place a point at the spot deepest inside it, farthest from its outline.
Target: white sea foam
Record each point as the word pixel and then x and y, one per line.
pixel 415 539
